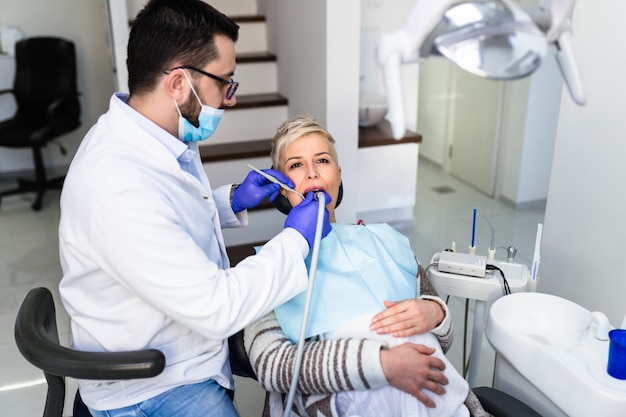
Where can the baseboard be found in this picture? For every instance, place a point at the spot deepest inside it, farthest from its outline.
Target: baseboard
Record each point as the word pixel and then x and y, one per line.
pixel 524 205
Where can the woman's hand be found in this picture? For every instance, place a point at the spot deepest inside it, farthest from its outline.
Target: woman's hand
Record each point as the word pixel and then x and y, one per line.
pixel 412 369
pixel 408 317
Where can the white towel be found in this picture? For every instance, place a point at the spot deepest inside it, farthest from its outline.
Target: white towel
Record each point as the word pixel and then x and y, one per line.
pixel 392 402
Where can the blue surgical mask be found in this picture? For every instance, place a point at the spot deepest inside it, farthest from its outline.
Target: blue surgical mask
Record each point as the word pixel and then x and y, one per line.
pixel 208 120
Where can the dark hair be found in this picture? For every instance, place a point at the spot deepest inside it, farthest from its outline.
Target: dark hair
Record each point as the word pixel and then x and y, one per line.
pixel 166 32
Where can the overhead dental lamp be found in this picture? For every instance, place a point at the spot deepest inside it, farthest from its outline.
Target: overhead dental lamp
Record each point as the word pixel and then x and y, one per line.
pixel 494 39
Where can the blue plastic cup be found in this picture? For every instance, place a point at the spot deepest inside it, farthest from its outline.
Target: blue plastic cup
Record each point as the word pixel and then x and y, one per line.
pixel 617 354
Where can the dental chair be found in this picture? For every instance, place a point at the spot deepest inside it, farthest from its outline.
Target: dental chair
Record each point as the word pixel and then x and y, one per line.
pixel 493 401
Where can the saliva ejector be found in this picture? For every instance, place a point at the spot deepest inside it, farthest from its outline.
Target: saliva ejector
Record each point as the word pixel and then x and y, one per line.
pixel 321 197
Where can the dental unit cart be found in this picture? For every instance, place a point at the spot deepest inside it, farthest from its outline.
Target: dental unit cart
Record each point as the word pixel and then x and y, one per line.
pixel 483 290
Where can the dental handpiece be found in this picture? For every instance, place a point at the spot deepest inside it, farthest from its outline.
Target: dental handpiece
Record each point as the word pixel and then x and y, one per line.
pixel 275 181
pixel 307 304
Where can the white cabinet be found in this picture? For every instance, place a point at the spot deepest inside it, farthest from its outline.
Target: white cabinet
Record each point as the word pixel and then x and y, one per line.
pixel 387 174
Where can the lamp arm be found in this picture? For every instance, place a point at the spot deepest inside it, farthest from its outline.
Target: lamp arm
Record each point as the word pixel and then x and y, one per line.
pixel 404 46
pixel 554 18
pixel 395 101
pixel 560 14
pixel 414 43
pixel 564 54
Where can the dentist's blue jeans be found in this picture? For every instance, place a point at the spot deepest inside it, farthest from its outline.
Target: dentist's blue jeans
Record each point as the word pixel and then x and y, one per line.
pixel 203 399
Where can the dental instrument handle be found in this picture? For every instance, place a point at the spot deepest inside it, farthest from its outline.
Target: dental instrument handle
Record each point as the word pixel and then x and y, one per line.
pixel 473 231
pixel 532 283
pixel 511 252
pixel 307 304
pixel 492 249
pixel 274 180
pixel 537 254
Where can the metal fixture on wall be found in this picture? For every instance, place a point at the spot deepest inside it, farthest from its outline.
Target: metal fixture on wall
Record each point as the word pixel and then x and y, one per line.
pixel 494 39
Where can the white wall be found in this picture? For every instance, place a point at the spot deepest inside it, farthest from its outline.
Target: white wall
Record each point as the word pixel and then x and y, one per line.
pixel 539 134
pixel 318 73
pixel 585 225
pixel 342 95
pixel 84 23
pixel 388 16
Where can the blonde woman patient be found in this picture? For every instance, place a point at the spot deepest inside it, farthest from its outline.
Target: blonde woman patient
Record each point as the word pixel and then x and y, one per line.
pixel 373 343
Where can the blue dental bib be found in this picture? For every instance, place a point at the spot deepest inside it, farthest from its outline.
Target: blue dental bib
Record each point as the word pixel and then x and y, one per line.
pixel 358 268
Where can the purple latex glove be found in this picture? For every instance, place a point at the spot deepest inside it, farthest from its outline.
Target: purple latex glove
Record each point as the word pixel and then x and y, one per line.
pixel 255 188
pixel 303 218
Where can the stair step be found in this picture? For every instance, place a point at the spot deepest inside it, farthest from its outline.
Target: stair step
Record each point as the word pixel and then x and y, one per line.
pixel 374 136
pixel 247 101
pixel 256 77
pixel 237 253
pixel 238 150
pixel 238 8
pixel 257 73
pixel 235 7
pixel 254 116
pixel 381 135
pixel 263 225
pixel 252 36
pixel 222 172
pixel 249 124
pixel 253 57
pixel 250 18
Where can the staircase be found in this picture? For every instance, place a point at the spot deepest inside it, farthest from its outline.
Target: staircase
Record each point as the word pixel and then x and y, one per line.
pixel 245 132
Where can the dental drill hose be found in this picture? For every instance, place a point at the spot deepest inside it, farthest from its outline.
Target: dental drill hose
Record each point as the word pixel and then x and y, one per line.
pixel 307 305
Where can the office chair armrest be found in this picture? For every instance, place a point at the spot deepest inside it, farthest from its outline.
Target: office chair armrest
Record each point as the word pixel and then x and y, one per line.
pixel 61 361
pixel 63 116
pixel 501 404
pixel 109 365
pixel 66 108
pixel 37 339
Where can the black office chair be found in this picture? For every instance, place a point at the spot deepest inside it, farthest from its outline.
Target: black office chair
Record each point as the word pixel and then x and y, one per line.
pixel 47 106
pixel 37 339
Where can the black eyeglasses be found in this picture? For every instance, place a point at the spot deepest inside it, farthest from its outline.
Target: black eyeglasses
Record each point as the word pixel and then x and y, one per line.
pixel 232 85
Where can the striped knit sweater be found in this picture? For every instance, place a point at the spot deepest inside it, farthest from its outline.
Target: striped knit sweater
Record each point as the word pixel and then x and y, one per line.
pixel 328 366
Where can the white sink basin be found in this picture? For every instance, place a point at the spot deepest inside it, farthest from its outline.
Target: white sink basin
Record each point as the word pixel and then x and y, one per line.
pixel 551 342
pixel 372 109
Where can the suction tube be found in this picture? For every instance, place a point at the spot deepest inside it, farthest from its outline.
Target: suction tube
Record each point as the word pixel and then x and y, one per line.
pixel 307 305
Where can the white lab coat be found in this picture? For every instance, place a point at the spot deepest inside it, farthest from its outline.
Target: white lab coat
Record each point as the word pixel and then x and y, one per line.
pixel 144 262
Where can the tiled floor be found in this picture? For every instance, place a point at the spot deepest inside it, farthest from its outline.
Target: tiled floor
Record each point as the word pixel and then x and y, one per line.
pixel 443 214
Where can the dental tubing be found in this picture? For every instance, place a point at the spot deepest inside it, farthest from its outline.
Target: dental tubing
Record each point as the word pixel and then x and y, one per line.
pixel 307 305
